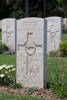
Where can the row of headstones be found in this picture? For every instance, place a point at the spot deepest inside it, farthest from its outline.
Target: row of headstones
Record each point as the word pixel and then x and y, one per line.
pixel 34 36
pixel 10 26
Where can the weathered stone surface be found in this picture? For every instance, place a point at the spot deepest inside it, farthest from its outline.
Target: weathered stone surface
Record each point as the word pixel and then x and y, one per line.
pixel 65 23
pixel 54 33
pixel 0 25
pixel 31 52
pixel 9 33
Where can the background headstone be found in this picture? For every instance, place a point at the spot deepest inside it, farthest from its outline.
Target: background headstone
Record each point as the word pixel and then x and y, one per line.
pixel 31 52
pixel 0 25
pixel 65 23
pixel 54 33
pixel 9 33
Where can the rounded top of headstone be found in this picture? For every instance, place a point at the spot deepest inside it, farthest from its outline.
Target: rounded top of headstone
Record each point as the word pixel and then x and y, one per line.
pixel 31 18
pixel 53 17
pixel 8 19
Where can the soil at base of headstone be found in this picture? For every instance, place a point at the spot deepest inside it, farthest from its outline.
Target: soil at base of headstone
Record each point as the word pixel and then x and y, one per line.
pixel 44 93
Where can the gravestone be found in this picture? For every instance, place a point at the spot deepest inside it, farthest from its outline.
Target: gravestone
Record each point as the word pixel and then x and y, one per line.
pixel 65 23
pixel 0 25
pixel 31 52
pixel 54 33
pixel 9 33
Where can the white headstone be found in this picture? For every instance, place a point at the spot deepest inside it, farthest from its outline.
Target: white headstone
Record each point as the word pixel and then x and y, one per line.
pixel 54 33
pixel 9 33
pixel 0 24
pixel 65 23
pixel 31 52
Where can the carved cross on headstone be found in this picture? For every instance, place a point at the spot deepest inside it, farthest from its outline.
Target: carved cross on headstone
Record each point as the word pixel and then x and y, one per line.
pixel 53 33
pixel 30 47
pixel 8 33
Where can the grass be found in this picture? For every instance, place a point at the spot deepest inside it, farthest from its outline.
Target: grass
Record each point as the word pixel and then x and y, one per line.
pixel 4 96
pixel 7 59
pixel 51 65
pixel 64 37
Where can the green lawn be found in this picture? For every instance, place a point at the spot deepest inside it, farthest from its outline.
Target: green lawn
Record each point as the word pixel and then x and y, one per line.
pixel 52 64
pixel 4 96
pixel 7 59
pixel 64 37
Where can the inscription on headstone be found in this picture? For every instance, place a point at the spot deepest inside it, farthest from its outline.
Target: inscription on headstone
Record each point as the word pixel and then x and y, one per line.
pixel 31 52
